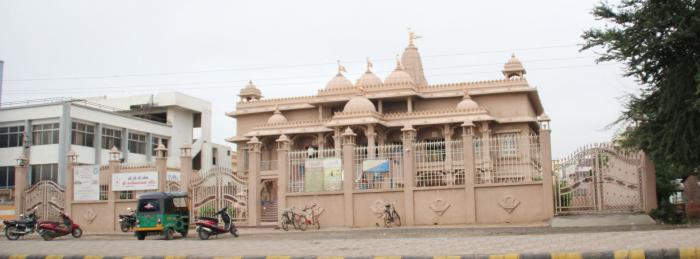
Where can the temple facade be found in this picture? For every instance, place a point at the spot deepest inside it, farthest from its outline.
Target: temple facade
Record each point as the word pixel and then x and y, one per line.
pixel 456 153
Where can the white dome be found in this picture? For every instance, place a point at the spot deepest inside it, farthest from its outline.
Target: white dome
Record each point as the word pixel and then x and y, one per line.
pixel 339 81
pixel 467 103
pixel 359 103
pixel 277 118
pixel 398 77
pixel 368 78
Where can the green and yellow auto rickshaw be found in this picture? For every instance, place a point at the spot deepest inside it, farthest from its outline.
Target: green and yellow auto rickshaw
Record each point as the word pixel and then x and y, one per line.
pixel 162 213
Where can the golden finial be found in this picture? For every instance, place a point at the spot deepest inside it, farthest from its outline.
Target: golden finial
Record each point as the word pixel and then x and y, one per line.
pixel 412 36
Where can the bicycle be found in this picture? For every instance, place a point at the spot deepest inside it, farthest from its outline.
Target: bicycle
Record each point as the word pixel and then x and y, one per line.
pixel 390 216
pixel 309 213
pixel 288 218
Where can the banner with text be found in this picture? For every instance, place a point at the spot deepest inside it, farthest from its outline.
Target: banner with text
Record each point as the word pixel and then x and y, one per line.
pixel 86 183
pixel 135 181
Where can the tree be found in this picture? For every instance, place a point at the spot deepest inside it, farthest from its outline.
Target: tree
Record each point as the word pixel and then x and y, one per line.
pixel 659 43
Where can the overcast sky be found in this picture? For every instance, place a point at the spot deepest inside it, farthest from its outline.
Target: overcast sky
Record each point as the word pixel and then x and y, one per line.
pixel 209 49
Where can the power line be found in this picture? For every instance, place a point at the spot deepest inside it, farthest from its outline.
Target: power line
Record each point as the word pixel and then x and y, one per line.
pixel 270 67
pixel 294 77
pixel 299 84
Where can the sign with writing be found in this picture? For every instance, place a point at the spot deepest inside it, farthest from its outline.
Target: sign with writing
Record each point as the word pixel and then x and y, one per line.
pixel 332 174
pixel 313 175
pixel 86 183
pixel 135 181
pixel 375 166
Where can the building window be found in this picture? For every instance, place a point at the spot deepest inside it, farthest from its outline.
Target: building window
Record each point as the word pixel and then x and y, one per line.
pixel 214 155
pixel 104 190
pixel 45 134
pixel 7 177
pixel 508 144
pixel 11 136
pixel 126 195
pixel 154 144
pixel 111 138
pixel 83 134
pixel 137 143
pixel 45 172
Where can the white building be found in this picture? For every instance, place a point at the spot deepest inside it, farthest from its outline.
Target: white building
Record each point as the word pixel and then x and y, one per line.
pixel 92 126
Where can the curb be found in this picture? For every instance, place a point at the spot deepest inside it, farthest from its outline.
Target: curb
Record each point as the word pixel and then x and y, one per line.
pixel 674 253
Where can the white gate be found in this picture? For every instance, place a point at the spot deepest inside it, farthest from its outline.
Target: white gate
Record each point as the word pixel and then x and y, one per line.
pixel 216 188
pixel 599 178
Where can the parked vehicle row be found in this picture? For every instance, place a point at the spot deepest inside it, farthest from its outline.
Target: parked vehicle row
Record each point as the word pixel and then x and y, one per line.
pixel 301 221
pixel 48 230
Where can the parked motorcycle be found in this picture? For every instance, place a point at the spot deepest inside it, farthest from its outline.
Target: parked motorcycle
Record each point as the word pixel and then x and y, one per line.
pixel 14 229
pixel 207 226
pixel 49 230
pixel 127 221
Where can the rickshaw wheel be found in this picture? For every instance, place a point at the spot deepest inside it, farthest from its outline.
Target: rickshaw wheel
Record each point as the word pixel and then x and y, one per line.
pixel 167 234
pixel 140 236
pixel 184 233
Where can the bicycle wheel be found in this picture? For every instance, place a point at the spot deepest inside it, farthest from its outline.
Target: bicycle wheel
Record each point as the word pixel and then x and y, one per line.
pixel 302 223
pixel 397 219
pixel 317 223
pixel 387 219
pixel 285 223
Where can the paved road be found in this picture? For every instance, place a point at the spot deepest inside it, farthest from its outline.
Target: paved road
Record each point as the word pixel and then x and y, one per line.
pixel 399 241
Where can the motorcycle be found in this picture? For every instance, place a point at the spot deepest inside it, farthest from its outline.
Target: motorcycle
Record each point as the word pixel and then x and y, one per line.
pixel 14 229
pixel 207 226
pixel 127 221
pixel 49 230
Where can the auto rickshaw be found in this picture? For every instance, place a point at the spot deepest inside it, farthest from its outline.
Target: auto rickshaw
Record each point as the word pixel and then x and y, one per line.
pixel 162 213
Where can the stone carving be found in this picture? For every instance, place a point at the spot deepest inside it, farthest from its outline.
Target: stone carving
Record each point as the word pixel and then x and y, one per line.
pixel 509 204
pixel 90 216
pixel 439 206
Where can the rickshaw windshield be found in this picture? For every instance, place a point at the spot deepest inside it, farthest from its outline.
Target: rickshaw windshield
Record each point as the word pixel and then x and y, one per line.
pixel 149 205
pixel 177 205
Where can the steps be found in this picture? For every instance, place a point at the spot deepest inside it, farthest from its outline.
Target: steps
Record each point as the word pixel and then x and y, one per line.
pixel 269 212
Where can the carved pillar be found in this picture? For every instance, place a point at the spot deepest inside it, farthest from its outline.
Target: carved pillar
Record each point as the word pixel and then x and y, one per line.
pixel 486 150
pixel 321 141
pixel 254 146
pixel 21 171
pixel 409 104
pixel 282 173
pixel 348 175
pixel 185 167
pixel 337 141
pixel 408 138
pixel 162 167
pixel 470 192
pixel 371 143
pixel 71 163
pixel 547 177
pixel 648 183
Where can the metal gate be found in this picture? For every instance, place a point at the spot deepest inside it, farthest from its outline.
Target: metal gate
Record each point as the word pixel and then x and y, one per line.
pixel 48 197
pixel 599 178
pixel 218 187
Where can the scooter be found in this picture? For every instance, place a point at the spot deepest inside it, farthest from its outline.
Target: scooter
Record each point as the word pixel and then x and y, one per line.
pixel 207 226
pixel 127 221
pixel 49 230
pixel 14 229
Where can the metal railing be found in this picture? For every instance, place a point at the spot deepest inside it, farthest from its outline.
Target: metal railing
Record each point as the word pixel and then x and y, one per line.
pixel 383 171
pixel 512 158
pixel 439 163
pixel 314 171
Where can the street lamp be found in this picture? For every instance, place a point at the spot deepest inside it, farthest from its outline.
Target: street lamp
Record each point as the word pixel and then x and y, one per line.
pixel 114 154
pixel 22 160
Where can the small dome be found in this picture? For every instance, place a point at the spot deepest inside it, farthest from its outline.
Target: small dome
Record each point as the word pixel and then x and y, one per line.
pixel 513 67
pixel 367 79
pixel 467 103
pixel 277 118
pixel 250 90
pixel 339 81
pixel 398 76
pixel 359 103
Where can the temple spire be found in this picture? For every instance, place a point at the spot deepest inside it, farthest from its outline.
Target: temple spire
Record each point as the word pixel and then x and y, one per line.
pixel 411 60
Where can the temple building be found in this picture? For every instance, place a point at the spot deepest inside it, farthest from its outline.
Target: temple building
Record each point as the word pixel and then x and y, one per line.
pixel 455 153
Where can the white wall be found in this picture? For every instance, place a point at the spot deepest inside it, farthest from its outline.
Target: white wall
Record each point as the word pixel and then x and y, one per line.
pixel 8 156
pixel 86 155
pixel 43 154
pixel 30 113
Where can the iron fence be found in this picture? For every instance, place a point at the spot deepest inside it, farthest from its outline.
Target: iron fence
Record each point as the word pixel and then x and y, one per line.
pixel 384 170
pixel 439 163
pixel 512 158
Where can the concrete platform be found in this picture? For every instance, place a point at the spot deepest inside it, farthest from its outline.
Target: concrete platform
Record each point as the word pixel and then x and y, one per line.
pixel 602 220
